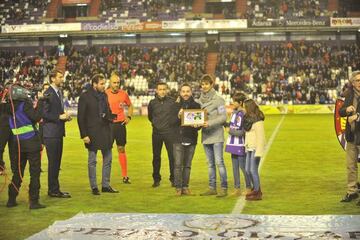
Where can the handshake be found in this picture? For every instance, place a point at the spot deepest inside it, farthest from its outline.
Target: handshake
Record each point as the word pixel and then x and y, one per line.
pixel 65 117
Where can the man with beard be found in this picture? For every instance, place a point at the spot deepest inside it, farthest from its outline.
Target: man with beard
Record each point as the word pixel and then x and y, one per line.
pixel 94 119
pixel 53 131
pixel 184 147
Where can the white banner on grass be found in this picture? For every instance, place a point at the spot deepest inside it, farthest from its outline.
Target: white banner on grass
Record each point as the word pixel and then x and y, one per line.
pixel 103 226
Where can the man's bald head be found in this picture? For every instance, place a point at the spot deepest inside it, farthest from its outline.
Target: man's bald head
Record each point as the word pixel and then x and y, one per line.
pixel 114 82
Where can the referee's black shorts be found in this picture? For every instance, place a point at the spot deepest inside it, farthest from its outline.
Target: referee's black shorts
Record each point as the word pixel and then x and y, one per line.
pixel 119 133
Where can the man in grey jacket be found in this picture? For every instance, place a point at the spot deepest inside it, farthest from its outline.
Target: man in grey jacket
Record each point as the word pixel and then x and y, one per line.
pixel 213 135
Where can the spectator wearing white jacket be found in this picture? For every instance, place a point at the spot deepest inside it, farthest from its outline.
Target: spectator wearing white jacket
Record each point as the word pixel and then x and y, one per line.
pixel 254 146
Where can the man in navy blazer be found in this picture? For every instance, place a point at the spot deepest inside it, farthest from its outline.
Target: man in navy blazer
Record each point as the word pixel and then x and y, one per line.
pixel 54 119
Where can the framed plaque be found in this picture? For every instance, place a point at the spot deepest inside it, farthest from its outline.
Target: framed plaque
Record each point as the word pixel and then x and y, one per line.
pixel 191 117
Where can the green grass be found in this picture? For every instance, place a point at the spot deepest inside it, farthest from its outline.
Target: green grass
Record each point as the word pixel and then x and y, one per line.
pixel 304 173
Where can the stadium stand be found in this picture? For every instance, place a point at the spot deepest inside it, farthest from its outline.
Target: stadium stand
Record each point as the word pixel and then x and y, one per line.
pixel 144 10
pixel 295 72
pixel 32 12
pixel 22 11
pixel 274 73
pixel 300 72
pixel 28 70
pixel 142 66
pixel 275 9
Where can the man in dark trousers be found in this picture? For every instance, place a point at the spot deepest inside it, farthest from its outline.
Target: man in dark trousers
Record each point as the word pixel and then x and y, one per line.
pixel 184 147
pixel 5 135
pixel 54 119
pixel 94 119
pixel 26 144
pixel 162 113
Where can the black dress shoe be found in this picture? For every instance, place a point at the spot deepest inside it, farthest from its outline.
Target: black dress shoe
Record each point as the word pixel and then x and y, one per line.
pixel 109 190
pixel 11 203
pixel 156 184
pixel 349 197
pixel 95 191
pixel 36 205
pixel 59 195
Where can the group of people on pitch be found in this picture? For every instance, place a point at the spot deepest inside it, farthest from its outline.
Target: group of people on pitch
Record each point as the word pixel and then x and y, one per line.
pixel 246 138
pixel 101 118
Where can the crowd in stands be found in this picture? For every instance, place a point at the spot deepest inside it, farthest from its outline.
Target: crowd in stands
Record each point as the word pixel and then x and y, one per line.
pixel 20 11
pixel 298 72
pixel 273 73
pixel 275 9
pixel 172 63
pixel 145 10
pixel 28 70
pixel 29 11
pixel 256 9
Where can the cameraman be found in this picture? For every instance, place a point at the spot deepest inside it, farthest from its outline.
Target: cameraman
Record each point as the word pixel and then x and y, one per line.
pixel 23 118
pixel 94 119
pixel 351 110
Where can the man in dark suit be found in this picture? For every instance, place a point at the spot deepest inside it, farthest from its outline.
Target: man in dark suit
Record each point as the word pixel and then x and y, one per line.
pixel 5 131
pixel 5 136
pixel 94 119
pixel 54 119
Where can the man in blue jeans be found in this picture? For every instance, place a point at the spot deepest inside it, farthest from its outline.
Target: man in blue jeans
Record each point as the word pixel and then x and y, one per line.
pixel 184 147
pixel 213 135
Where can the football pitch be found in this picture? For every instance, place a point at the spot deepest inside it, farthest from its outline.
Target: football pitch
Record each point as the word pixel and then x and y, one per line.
pixel 303 173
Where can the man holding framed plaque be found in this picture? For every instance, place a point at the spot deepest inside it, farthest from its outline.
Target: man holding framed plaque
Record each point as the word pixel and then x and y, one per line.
pixel 213 135
pixel 192 118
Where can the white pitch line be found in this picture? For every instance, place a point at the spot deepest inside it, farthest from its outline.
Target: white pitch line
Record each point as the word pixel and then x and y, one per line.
pixel 240 203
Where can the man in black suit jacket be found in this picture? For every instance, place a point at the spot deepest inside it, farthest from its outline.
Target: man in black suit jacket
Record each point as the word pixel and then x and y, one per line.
pixel 94 118
pixel 5 136
pixel 54 119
